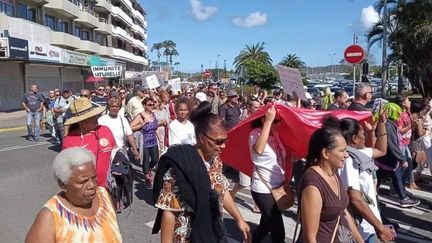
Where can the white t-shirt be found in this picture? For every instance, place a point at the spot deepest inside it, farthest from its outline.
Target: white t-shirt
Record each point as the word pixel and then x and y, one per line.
pixel 267 163
pixel 115 125
pixel 180 133
pixel 351 178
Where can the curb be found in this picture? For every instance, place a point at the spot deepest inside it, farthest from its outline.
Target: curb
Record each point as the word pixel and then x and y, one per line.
pixel 11 129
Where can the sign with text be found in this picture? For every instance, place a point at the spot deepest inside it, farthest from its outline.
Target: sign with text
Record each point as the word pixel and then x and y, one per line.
pixel 152 81
pixel 74 58
pixel 106 71
pixel 43 52
pixel 175 84
pixel 291 81
pixel 18 48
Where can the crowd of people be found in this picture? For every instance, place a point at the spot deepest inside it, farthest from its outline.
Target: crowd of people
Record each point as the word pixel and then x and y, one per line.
pixel 177 138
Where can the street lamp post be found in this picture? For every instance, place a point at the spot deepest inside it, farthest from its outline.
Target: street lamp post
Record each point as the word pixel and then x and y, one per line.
pixel 217 67
pixel 332 68
pixel 384 52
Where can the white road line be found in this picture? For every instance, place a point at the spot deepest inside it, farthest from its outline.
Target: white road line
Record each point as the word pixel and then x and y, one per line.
pixel 23 146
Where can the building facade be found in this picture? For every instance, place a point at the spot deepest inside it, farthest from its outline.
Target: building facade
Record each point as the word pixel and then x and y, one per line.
pixel 54 43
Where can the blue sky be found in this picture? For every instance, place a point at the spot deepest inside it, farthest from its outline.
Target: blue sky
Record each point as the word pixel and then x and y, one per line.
pixel 311 29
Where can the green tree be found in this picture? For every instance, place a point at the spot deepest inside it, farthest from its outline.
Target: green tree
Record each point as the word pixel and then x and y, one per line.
pixel 254 52
pixel 257 72
pixel 292 61
pixel 157 46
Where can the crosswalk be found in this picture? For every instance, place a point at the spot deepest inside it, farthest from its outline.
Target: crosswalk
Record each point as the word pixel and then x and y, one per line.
pixel 409 229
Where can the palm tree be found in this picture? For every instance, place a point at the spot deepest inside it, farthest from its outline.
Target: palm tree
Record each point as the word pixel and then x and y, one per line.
pixel 169 53
pixel 157 47
pixel 254 52
pixel 292 61
pixel 169 45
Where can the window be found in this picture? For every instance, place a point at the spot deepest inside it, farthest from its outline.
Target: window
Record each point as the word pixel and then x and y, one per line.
pixel 78 32
pixel 50 22
pixel 7 8
pixel 101 40
pixel 85 35
pixel 22 11
pixel 63 26
pixel 31 14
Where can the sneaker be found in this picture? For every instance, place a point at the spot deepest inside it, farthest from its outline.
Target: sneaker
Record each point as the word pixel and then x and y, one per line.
pixel 29 137
pixel 409 202
pixel 36 140
pixel 393 193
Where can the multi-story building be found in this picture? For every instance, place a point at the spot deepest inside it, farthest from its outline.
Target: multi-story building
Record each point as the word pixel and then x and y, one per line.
pixel 53 43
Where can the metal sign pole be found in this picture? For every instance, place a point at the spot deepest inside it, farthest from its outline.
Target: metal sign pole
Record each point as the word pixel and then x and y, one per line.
pixel 354 78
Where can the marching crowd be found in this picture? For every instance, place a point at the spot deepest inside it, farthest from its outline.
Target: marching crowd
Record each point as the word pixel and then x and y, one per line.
pixel 177 137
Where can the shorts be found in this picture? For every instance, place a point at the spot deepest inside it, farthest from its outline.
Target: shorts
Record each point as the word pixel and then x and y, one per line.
pixel 244 180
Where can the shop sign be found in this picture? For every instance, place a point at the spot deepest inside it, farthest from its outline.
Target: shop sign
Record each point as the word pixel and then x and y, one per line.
pixel 106 71
pixel 42 52
pixel 74 58
pixel 18 48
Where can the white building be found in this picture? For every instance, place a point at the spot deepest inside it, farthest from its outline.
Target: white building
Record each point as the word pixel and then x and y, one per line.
pixel 53 43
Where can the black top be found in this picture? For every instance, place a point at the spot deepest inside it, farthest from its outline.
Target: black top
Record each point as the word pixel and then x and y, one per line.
pixel 355 106
pixel 100 100
pixel 231 114
pixel 334 107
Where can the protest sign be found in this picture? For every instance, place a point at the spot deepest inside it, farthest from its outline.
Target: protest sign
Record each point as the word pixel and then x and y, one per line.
pixel 152 81
pixel 291 81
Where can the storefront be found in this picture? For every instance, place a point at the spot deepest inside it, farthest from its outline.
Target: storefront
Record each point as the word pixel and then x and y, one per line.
pixel 12 74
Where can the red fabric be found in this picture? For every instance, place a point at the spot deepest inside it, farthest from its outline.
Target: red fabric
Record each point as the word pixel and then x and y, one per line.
pixel 171 108
pixel 295 130
pixel 100 143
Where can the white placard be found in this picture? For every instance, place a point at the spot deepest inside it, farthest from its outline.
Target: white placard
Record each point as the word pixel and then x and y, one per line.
pixel 152 81
pixel 106 71
pixel 175 84
pixel 291 81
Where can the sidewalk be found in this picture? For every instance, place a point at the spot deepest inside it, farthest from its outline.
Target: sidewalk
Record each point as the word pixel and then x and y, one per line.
pixel 12 120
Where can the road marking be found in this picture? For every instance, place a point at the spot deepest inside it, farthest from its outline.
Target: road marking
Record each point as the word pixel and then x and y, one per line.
pixel 11 129
pixel 23 146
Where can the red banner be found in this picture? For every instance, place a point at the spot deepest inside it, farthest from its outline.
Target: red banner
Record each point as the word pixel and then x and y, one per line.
pixel 295 130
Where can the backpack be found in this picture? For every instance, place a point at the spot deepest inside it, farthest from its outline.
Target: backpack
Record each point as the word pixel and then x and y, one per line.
pixel 120 180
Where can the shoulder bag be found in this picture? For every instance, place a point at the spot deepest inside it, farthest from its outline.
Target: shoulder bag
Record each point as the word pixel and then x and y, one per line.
pixel 283 195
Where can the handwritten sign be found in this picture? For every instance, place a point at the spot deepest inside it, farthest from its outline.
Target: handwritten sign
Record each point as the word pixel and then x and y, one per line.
pixel 291 81
pixel 152 81
pixel 175 84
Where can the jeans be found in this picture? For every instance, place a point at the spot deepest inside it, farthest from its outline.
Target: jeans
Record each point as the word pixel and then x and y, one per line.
pixel 150 158
pixel 271 219
pixel 36 117
pixel 397 181
pixel 371 239
pixel 408 174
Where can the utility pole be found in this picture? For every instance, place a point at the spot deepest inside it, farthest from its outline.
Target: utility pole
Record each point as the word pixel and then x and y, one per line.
pixel 355 40
pixel 217 63
pixel 384 52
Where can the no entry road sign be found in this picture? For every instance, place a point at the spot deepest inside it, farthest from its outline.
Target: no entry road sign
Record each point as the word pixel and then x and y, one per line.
pixel 354 54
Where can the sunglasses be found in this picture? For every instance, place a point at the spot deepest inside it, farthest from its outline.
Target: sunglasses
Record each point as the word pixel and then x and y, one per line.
pixel 122 92
pixel 218 142
pixel 101 89
pixel 150 105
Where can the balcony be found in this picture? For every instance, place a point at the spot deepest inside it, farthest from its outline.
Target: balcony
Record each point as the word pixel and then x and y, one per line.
pixel 139 44
pixel 88 18
pixel 118 12
pixel 25 29
pixel 106 51
pixel 63 7
pixel 89 47
pixel 62 39
pixel 124 55
pixel 139 15
pixel 138 29
pixel 103 6
pixel 119 32
pixel 103 27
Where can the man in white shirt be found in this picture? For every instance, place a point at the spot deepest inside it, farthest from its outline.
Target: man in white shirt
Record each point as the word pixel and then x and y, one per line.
pixel 118 125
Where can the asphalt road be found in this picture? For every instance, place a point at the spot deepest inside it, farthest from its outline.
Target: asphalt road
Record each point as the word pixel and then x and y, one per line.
pixel 26 183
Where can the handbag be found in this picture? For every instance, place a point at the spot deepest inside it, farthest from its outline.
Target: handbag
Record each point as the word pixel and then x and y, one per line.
pixel 283 195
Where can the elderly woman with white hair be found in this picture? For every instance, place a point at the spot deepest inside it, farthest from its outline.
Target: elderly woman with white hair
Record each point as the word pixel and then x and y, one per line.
pixel 81 211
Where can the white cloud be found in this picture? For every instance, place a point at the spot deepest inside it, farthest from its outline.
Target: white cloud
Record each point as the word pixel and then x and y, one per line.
pixel 201 12
pixel 369 16
pixel 252 20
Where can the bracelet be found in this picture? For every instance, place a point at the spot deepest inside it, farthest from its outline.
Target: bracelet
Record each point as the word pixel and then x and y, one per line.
pixel 381 134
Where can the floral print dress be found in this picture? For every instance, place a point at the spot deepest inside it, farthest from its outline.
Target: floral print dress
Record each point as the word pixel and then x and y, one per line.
pixel 169 199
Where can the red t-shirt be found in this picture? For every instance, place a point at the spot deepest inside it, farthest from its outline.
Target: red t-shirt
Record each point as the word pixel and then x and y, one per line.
pixel 100 142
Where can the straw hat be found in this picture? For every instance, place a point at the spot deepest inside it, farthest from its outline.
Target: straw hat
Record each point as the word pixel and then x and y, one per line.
pixel 82 109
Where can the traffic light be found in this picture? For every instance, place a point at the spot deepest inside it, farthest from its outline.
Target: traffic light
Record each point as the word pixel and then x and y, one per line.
pixel 365 68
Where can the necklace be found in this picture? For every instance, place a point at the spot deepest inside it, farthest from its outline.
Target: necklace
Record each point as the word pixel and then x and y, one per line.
pixel 325 172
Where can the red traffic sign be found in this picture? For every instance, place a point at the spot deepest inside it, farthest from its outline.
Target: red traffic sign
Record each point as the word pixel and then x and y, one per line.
pixel 354 54
pixel 207 74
